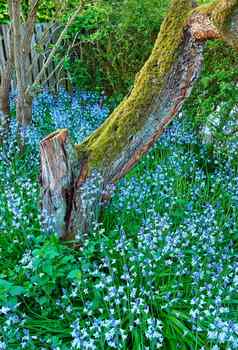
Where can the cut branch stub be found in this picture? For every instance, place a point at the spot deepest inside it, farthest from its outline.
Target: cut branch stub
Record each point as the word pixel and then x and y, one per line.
pixel 59 169
pixel 202 27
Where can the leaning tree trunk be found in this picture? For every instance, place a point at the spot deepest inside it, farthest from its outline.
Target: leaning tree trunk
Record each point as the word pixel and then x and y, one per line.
pixel 166 80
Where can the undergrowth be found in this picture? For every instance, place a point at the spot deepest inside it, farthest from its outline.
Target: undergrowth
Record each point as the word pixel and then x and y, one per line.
pixel 160 269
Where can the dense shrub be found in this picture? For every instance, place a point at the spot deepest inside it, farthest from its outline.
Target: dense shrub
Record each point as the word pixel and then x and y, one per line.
pixel 114 38
pixel 3 11
pixel 214 98
pixel 46 11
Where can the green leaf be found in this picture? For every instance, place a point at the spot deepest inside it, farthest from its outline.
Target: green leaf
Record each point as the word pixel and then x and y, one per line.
pixel 43 300
pixel 5 284
pixel 17 290
pixel 75 274
pixel 48 269
pixel 11 288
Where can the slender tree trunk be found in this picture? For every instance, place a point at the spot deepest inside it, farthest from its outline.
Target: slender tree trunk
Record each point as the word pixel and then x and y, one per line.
pixel 4 115
pixel 4 103
pixel 22 37
pixel 70 174
pixel 24 109
pixel 5 88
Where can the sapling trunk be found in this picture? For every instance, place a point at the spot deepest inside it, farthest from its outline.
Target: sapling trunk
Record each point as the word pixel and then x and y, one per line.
pixel 4 103
pixel 24 109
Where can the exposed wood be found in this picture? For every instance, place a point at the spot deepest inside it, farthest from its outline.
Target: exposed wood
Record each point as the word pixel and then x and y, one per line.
pixel 58 181
pixel 224 15
pixel 202 27
pixel 159 92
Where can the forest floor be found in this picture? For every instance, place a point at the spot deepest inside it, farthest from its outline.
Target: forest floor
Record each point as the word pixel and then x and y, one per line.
pixel 159 270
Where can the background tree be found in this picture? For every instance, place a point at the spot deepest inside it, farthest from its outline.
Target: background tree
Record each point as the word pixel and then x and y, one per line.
pixel 22 42
pixel 6 68
pixel 159 92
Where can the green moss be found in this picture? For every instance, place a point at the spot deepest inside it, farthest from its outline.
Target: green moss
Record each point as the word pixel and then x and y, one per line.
pixel 222 12
pixel 223 15
pixel 205 8
pixel 111 138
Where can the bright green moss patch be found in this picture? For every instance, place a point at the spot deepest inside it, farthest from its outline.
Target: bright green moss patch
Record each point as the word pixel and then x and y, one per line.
pixel 111 138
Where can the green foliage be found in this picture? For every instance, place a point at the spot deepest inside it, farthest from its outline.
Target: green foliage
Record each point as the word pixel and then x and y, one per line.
pixel 47 9
pixel 113 41
pixel 104 145
pixel 171 219
pixel 3 11
pixel 215 93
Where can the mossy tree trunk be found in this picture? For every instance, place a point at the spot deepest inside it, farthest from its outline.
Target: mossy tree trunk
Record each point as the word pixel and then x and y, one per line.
pixel 159 91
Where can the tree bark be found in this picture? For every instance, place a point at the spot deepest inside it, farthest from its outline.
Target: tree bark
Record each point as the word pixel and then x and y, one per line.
pixel 160 89
pixel 24 109
pixel 5 88
pixel 4 102
pixel 22 37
